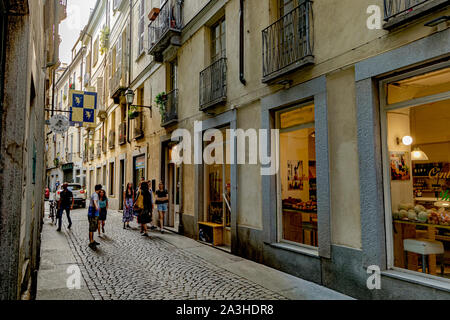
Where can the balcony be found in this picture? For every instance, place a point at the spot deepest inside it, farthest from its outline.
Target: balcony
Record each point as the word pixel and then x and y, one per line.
pixel 118 84
pixel 165 30
pixel 213 84
pixel 401 12
pixel 288 43
pixel 99 150
pixel 138 131
pixel 122 133
pixel 170 115
pixel 91 153
pixel 104 144
pixel 112 140
pixel 62 10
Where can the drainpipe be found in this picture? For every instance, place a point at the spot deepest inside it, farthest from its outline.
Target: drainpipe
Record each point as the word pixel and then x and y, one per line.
pixel 129 68
pixel 241 43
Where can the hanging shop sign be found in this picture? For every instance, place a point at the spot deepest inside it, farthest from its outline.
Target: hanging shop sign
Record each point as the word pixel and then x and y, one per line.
pixel 83 108
pixel 140 163
pixel 59 124
pixel 68 166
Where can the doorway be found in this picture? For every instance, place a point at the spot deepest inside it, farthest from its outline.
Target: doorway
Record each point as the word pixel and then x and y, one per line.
pixel 121 183
pixel 171 176
pixel 215 227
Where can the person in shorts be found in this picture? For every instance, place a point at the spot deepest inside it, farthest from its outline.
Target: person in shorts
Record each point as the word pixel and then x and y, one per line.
pixel 162 202
pixel 103 204
pixel 93 214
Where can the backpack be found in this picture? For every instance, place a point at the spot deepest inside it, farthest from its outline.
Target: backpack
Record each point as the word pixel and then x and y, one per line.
pixel 139 204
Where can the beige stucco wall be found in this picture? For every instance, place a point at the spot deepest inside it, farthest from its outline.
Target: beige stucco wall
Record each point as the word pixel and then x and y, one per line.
pixel 341 39
pixel 343 146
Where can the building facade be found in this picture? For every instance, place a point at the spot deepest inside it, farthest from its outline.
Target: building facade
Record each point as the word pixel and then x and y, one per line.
pixel 29 55
pixel 351 190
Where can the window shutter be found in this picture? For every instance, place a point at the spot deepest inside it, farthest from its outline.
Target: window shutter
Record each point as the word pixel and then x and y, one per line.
pixel 100 93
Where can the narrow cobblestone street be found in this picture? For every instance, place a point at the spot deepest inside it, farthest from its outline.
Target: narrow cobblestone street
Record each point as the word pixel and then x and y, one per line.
pixel 166 266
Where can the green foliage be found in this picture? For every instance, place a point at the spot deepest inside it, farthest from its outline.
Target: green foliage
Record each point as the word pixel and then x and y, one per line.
pixel 161 100
pixel 133 112
pixel 104 40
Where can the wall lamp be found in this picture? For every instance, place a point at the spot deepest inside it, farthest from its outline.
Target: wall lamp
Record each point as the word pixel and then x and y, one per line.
pixel 129 97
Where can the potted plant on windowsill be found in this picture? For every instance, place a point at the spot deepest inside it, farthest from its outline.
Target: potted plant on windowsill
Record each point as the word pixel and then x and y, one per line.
pixel 161 101
pixel 104 40
pixel 133 113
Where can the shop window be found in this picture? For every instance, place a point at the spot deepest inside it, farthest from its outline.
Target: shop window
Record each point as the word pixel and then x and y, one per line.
pixel 417 164
pixel 297 189
pixel 217 191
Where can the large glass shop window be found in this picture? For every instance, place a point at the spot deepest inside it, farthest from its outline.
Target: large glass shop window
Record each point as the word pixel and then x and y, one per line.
pixel 418 143
pixel 297 186
pixel 218 186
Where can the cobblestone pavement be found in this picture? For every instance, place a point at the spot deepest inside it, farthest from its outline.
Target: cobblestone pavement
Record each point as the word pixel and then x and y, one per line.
pixel 127 266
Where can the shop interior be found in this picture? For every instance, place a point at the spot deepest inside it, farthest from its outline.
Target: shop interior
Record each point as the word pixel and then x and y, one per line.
pixel 297 179
pixel 216 225
pixel 418 142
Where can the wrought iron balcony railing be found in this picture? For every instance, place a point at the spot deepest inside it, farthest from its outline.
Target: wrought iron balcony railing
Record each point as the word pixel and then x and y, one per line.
pixel 171 112
pixel 122 133
pixel 168 23
pixel 104 144
pixel 91 153
pixel 62 10
pixel 213 84
pixel 117 82
pixel 99 150
pixel 399 12
pixel 288 43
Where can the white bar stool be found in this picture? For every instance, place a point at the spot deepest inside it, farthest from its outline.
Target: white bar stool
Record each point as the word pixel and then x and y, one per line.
pixel 423 247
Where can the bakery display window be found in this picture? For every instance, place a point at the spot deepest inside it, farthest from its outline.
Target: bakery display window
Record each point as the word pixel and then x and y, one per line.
pixel 418 166
pixel 297 188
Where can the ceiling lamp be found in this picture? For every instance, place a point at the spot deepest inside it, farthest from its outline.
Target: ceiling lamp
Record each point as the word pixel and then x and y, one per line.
pixel 418 155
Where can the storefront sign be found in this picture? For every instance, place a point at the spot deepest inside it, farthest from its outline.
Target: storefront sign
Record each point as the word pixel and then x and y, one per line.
pixel 140 163
pixel 437 173
pixel 68 166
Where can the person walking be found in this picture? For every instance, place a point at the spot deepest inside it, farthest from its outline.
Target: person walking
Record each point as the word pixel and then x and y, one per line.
pixel 128 200
pixel 65 203
pixel 150 186
pixel 162 201
pixel 103 205
pixel 144 204
pixel 93 214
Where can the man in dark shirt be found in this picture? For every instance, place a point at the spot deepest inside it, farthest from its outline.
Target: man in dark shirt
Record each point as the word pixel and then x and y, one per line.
pixel 65 202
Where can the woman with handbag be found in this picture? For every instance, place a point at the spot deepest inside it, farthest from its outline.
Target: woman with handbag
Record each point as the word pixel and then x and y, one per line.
pixel 128 214
pixel 144 206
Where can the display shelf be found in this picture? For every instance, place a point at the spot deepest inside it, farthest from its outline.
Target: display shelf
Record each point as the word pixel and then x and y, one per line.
pixel 424 199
